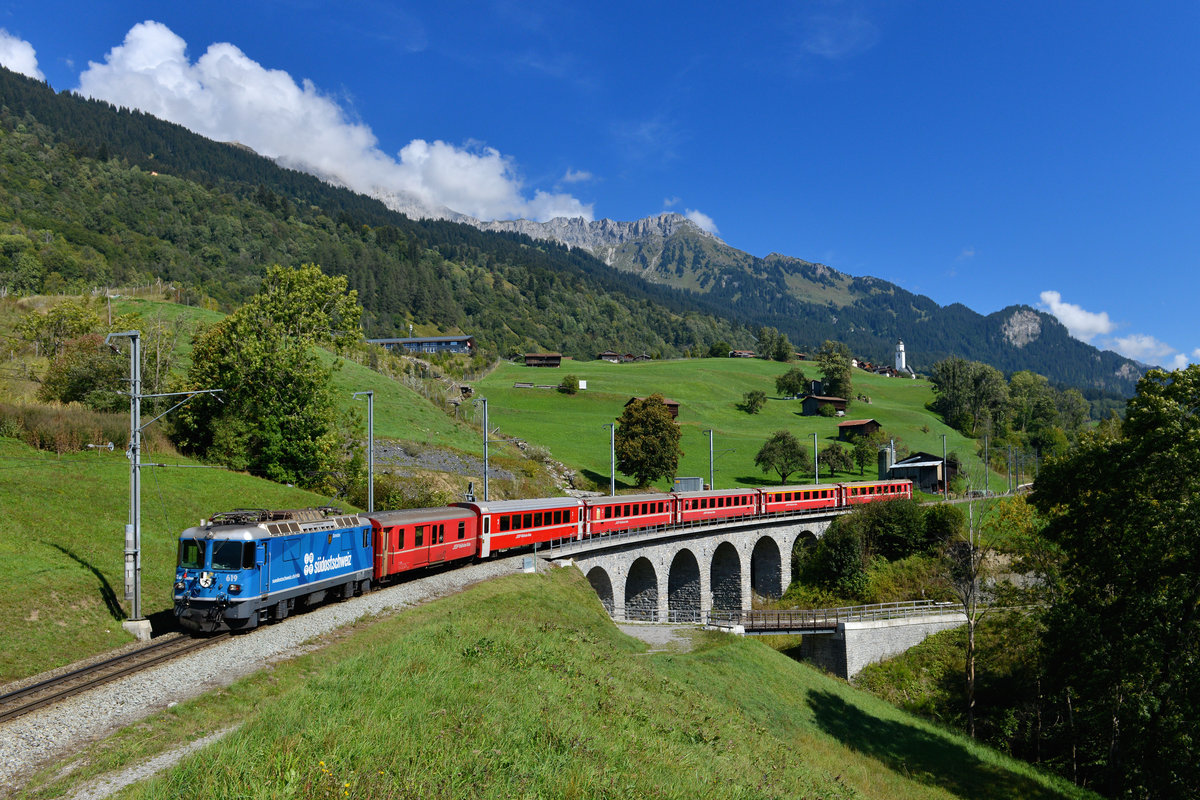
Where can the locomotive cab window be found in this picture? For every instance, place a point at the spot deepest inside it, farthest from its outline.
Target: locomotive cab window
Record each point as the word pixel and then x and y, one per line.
pixel 191 554
pixel 227 556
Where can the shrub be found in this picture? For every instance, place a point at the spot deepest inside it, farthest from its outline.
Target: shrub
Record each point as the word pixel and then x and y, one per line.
pixel 569 385
pixel 67 429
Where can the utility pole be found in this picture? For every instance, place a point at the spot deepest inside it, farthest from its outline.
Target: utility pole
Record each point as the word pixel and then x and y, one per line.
pixel 816 463
pixel 986 469
pixel 612 458
pixel 945 472
pixel 137 624
pixel 370 449
pixel 483 400
pixel 709 434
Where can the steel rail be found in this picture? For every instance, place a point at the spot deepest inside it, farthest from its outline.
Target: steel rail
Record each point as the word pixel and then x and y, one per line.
pixel 53 690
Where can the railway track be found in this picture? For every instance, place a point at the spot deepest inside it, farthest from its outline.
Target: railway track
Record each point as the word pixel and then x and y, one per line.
pixel 53 690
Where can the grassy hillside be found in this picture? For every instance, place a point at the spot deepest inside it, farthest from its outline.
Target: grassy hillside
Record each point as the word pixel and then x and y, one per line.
pixel 708 391
pixel 521 687
pixel 62 588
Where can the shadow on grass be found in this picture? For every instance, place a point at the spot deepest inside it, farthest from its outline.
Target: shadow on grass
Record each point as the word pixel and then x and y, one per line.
pixel 106 592
pixel 603 481
pixel 921 755
pixel 758 480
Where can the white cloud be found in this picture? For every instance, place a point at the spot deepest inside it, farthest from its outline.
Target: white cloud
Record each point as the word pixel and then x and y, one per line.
pixel 1142 347
pixel 19 56
pixel 1083 325
pixel 966 254
pixel 838 35
pixel 576 176
pixel 671 202
pixel 704 221
pixel 1086 325
pixel 228 96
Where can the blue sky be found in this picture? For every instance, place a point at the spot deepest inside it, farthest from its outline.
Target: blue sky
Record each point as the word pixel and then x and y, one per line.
pixel 1025 152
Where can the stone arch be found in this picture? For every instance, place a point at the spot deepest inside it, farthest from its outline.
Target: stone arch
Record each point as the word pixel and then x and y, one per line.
pixel 641 590
pixel 725 578
pixel 766 569
pixel 683 583
pixel 598 578
pixel 801 547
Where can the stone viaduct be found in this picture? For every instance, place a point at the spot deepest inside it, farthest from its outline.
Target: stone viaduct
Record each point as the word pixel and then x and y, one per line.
pixel 681 574
pixel 685 574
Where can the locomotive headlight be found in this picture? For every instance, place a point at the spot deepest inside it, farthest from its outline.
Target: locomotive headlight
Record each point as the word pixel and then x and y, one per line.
pixel 235 588
pixel 206 580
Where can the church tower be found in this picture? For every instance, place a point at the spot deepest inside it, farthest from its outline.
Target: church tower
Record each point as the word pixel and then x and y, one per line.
pixel 900 365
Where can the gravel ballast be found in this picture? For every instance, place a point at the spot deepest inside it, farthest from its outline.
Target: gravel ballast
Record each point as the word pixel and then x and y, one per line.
pixel 34 740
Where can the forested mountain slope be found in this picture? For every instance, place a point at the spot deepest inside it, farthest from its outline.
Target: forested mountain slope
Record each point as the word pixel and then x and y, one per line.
pixel 93 196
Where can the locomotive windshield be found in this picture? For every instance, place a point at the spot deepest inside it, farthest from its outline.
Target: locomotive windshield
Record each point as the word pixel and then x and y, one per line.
pixel 191 554
pixel 231 556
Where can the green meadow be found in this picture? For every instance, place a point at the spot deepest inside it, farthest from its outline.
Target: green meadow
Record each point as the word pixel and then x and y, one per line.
pixel 522 687
pixel 708 391
pixel 63 582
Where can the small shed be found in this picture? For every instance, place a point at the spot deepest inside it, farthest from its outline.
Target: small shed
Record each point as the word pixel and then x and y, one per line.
pixel 543 359
pixel 857 427
pixel 672 405
pixel 924 470
pixel 610 355
pixel 813 403
pixel 741 354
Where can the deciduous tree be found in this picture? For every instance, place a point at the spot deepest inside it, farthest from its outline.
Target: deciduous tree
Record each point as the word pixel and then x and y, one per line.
pixel 647 440
pixel 833 360
pixel 1125 638
pixel 784 454
pixel 276 416
pixel 752 402
pixel 791 383
pixel 836 458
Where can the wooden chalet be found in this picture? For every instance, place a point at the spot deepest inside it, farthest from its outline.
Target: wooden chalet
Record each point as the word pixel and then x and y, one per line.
pixel 812 404
pixel 857 427
pixel 543 359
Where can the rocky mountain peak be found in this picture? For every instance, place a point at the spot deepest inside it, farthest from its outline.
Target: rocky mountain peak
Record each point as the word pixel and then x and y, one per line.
pixel 596 235
pixel 1023 327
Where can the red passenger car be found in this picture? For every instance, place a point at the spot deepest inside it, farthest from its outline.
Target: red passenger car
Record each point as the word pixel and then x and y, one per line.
pixel 870 491
pixel 421 537
pixel 790 499
pixel 628 512
pixel 716 505
pixel 517 523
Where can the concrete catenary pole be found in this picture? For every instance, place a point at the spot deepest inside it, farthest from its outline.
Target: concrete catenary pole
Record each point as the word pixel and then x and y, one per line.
pixel 370 449
pixel 612 458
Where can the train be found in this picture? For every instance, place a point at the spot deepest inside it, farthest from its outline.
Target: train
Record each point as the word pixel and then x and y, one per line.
pixel 244 567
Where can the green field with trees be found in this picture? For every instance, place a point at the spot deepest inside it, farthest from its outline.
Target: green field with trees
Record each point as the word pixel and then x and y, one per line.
pixel 709 392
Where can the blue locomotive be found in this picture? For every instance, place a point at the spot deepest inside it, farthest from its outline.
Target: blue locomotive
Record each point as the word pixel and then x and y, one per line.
pixel 248 566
